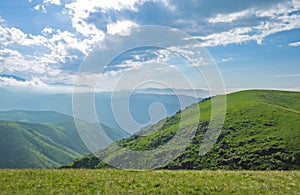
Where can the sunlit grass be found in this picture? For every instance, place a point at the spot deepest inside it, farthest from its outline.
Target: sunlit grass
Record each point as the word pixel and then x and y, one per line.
pixel 109 181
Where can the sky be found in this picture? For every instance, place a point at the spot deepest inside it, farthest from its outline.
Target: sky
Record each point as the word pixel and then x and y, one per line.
pixel 254 43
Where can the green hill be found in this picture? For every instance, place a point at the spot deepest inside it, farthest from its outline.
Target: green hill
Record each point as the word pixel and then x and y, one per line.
pixel 27 145
pixel 55 118
pixel 261 132
pixel 46 139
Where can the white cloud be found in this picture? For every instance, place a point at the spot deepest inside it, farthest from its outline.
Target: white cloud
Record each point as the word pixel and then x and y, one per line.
pixel 42 56
pixel 82 7
pixel 227 59
pixel 55 2
pixel 87 30
pixel 294 44
pixel 11 35
pixel 227 18
pixel 252 33
pixel 40 7
pixel 80 10
pixel 48 52
pixel 47 31
pixel 38 84
pixel 120 27
pixel 13 61
pixel 278 18
pixel 34 82
pixel 53 48
pixel 236 35
pixel 55 51
pixel 137 62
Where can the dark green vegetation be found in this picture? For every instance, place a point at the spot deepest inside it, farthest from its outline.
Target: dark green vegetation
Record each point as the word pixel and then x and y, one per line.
pixel 261 132
pixel 148 182
pixel 43 139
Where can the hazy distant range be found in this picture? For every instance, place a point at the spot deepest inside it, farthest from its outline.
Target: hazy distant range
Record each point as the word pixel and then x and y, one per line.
pixel 139 103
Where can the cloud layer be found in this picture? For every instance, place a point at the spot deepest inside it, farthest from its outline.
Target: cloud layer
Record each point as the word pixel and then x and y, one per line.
pixel 53 54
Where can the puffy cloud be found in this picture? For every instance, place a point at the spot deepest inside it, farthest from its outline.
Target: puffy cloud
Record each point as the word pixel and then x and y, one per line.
pixel 120 27
pixel 81 10
pixel 10 35
pixel 40 53
pixel 13 61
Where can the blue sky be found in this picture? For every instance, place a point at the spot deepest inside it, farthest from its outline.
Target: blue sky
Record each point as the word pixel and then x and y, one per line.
pixel 255 43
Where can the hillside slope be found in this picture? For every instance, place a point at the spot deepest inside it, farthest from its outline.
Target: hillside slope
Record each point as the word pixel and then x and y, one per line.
pixel 261 131
pixel 27 145
pixel 33 139
pixel 58 119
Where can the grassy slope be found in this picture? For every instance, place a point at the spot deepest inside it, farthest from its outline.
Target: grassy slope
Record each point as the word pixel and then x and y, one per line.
pixel 58 119
pixel 261 131
pixel 148 182
pixel 42 139
pixel 37 145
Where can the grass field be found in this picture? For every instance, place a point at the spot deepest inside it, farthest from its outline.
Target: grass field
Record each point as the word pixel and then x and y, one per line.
pixel 109 181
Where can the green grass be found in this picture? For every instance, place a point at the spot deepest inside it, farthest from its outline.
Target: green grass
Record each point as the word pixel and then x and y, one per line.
pixel 261 132
pixel 108 181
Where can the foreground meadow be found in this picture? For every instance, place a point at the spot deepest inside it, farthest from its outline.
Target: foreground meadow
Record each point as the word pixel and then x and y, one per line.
pixel 109 181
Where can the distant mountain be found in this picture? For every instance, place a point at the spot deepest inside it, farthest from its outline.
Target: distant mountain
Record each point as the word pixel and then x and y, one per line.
pixel 35 116
pixel 261 132
pixel 139 104
pixel 197 93
pixel 15 100
pixel 12 77
pixel 30 139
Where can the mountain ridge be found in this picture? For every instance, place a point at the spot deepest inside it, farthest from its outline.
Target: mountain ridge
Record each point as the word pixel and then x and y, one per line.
pixel 62 103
